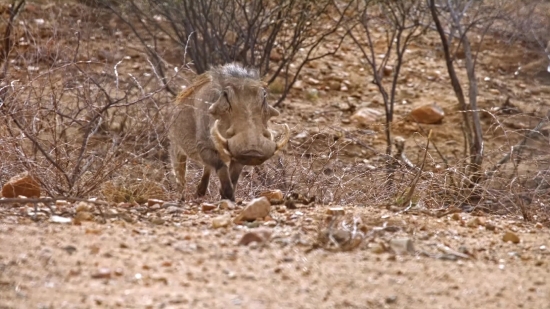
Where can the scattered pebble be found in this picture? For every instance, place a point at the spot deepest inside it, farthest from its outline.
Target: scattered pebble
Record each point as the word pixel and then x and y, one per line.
pixel 205 207
pixel 152 201
pixel 336 211
pixel 258 236
pixel 102 273
pixel 510 237
pixel 59 219
pixel 273 195
pixel 221 221
pixel 226 205
pixel 402 245
pixel 366 116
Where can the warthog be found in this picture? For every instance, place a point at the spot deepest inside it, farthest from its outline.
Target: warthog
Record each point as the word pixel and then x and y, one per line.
pixel 221 120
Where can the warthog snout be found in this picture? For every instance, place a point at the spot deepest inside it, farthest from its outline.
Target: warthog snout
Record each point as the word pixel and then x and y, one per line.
pixel 249 147
pixel 252 157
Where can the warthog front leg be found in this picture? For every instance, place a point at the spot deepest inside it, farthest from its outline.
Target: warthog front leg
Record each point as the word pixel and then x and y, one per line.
pixel 226 190
pixel 211 158
pixel 203 184
pixel 235 169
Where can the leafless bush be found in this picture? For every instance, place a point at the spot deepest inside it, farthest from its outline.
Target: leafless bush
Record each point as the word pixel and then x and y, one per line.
pixel 74 124
pixel 277 37
pixel 401 22
pixel 74 128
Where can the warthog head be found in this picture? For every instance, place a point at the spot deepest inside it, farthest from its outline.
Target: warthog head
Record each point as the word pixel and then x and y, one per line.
pixel 240 131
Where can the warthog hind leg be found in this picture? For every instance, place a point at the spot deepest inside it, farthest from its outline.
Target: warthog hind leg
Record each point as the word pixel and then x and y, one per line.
pixel 179 166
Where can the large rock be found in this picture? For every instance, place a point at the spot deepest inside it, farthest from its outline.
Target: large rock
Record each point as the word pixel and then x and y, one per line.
pixel 255 209
pixel 428 114
pixel 21 185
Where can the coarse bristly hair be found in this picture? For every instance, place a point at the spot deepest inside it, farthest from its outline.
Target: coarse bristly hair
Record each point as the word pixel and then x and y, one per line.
pixel 236 70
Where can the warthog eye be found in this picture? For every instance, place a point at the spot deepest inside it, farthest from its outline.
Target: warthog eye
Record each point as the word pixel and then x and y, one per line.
pixel 226 96
pixel 264 96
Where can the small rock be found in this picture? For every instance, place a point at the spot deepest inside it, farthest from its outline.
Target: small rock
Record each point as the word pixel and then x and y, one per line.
pixel 127 217
pixel 169 204
pixel 313 81
pixel 61 203
pixel 257 208
pixel 154 207
pixel 111 213
pixel 102 273
pixel 105 55
pixel 273 194
pixel 157 221
pixel 455 216
pixel 402 245
pixel 270 223
pixel 344 106
pixel 173 210
pixel 83 206
pixel 226 204
pixel 334 85
pixel 377 248
pixel 391 299
pixel 21 185
pixel 275 56
pixel 152 201
pixel 474 222
pixel 298 85
pixel 259 236
pixel 490 226
pixel 208 207
pixel 83 216
pixel 387 70
pixel 221 221
pixel 366 116
pixel 509 236
pixel 428 114
pixel 336 211
pixel 344 88
pixel 59 219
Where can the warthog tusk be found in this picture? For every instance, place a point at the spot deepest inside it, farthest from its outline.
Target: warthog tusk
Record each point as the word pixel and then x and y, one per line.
pixel 221 144
pixel 284 140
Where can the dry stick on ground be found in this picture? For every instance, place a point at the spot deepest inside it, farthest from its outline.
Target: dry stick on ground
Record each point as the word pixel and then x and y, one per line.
pixel 410 190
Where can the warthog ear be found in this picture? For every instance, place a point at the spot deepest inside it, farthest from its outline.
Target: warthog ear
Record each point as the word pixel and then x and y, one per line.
pixel 272 112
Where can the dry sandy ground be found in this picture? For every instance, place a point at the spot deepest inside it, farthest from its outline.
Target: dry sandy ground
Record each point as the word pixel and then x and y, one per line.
pixel 186 263
pixel 172 257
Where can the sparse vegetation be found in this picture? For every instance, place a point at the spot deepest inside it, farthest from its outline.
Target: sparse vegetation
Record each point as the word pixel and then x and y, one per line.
pixel 88 88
